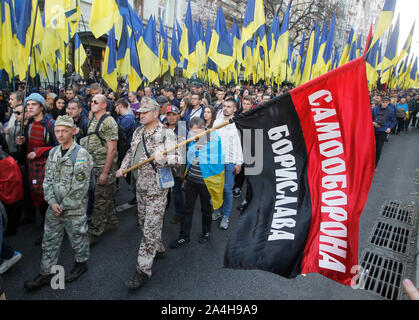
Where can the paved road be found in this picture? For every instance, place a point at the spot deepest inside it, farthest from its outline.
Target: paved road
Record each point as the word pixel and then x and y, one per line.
pixel 196 272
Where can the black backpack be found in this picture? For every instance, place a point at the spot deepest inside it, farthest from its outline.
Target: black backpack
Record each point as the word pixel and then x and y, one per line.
pixel 122 145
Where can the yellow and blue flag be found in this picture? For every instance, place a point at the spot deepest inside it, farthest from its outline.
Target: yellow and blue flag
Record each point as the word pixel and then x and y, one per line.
pixel 109 73
pixel 79 54
pixel 221 48
pixel 135 78
pixel 390 55
pixel 308 59
pixel 347 49
pixel 385 20
pixel 211 162
pixel 408 44
pixel 174 52
pixel 163 50
pixel 327 55
pixel 282 47
pixel 8 31
pixel 148 51
pixel 123 57
pixel 104 15
pixel 254 18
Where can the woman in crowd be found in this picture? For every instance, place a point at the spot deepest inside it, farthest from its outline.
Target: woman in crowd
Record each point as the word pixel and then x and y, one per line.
pixel 185 103
pixel 58 108
pixel 402 114
pixel 209 116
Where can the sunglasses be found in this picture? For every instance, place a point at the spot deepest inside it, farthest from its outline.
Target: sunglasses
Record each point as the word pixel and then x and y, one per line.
pixel 18 113
pixel 95 102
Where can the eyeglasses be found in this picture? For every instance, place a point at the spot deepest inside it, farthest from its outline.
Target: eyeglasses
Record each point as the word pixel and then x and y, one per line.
pixel 17 113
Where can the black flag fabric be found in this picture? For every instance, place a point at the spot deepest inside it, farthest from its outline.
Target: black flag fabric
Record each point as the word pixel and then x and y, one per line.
pixel 310 161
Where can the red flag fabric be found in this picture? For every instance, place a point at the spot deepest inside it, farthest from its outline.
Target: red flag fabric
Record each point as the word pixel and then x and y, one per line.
pixel 335 117
pixel 11 184
pixel 314 154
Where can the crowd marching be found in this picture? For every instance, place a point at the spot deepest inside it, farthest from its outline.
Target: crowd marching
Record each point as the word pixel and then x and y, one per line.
pixel 65 150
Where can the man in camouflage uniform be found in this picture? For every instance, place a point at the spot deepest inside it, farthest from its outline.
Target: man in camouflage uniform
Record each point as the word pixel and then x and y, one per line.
pixel 151 199
pixel 67 175
pixel 103 148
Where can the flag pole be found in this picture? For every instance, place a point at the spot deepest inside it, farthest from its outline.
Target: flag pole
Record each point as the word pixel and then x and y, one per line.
pixel 29 62
pixel 88 43
pixel 197 137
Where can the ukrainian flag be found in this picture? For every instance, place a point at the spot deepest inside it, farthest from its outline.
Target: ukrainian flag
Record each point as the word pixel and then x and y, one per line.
pixel 123 58
pixel 163 50
pixel 346 51
pixel 174 53
pixel 221 49
pixel 308 60
pixel 319 64
pixel 371 63
pixel 272 41
pixel 407 45
pixel 7 36
pixel 254 18
pixel 327 55
pixel 413 79
pixel 104 15
pixel 109 72
pixel 390 56
pixel 211 162
pixel 135 75
pixel 187 46
pixel 281 52
pixel 148 51
pixel 79 54
pixel 385 20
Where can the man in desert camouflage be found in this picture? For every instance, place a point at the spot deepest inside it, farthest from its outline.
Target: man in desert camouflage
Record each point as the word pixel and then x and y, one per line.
pixel 151 199
pixel 67 176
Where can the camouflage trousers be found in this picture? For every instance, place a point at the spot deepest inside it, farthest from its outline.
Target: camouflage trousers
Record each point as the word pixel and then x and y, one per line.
pixel 151 209
pixel 76 227
pixel 104 214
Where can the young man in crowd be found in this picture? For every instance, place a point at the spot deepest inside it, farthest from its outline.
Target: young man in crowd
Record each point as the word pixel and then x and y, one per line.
pixel 218 105
pixel 133 101
pixel 101 143
pixel 173 116
pixel 383 120
pixel 197 110
pixel 75 111
pixel 163 103
pixel 233 160
pixel 40 138
pixel 66 184
pixel 196 184
pixel 171 95
pixel 126 118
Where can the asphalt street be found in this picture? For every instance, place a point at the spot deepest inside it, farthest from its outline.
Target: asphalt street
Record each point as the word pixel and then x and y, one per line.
pixel 196 271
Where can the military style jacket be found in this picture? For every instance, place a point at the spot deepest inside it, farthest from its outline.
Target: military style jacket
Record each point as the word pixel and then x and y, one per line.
pixel 158 137
pixel 108 131
pixel 67 184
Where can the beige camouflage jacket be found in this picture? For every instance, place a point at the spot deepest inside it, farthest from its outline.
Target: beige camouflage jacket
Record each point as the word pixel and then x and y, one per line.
pixel 158 137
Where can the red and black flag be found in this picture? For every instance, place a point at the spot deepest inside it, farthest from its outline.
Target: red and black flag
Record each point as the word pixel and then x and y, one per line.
pixel 316 171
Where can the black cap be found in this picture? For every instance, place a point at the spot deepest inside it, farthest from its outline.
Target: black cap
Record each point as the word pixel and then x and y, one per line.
pixel 161 100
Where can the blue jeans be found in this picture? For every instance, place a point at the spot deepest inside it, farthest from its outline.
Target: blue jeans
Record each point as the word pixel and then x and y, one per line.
pixel 178 196
pixel 228 190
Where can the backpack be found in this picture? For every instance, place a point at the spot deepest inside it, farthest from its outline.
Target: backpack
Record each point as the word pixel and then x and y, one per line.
pixel 73 158
pixel 122 145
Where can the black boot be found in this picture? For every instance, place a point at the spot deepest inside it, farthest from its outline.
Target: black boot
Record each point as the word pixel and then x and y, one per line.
pixel 38 282
pixel 138 280
pixel 78 270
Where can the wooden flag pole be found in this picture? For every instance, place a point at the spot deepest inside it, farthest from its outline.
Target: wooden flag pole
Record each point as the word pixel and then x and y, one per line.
pixel 199 136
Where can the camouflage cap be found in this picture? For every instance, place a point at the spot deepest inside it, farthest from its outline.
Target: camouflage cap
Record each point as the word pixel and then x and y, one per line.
pixel 65 121
pixel 148 104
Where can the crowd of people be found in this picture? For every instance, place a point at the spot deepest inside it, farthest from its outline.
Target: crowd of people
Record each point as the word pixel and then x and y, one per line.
pixel 393 113
pixel 72 146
